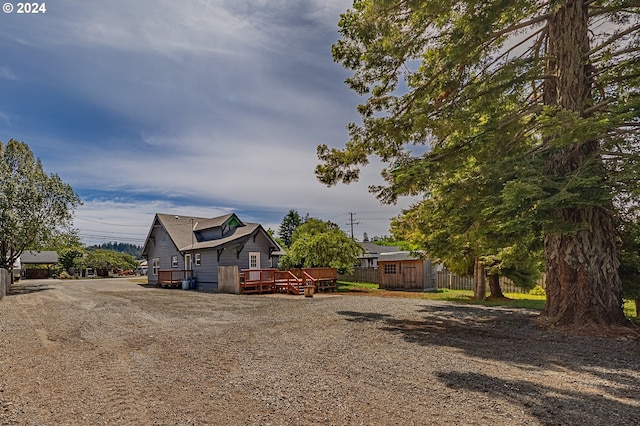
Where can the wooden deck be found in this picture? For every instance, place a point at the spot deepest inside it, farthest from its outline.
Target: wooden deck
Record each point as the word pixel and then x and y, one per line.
pixel 173 277
pixel 259 281
pixel 322 279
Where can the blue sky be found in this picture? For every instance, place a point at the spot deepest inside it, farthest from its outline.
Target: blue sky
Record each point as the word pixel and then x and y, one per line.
pixel 195 108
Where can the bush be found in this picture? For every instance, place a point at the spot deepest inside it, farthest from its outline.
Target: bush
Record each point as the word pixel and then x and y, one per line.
pixel 64 275
pixel 537 291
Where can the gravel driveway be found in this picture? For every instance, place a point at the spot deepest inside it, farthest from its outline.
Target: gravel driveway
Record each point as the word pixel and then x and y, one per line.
pixel 115 352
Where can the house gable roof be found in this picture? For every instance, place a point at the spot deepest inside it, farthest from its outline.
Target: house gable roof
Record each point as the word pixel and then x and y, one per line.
pixel 372 250
pixel 183 231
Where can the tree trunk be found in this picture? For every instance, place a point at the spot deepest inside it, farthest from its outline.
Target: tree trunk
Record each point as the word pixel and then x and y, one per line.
pixel 583 285
pixel 479 284
pixel 494 287
pixel 637 307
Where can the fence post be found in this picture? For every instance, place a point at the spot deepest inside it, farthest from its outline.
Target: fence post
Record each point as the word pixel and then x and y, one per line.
pixel 229 279
pixel 5 281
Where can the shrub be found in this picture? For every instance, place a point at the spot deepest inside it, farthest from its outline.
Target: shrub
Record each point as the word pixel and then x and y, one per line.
pixel 537 291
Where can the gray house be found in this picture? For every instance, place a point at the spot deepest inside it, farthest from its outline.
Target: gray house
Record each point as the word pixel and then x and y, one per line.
pixel 372 251
pixel 183 246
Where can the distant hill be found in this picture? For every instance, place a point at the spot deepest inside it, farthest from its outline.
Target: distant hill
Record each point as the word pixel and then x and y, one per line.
pixel 131 249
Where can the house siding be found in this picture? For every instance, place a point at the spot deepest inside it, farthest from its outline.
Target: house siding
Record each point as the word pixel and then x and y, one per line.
pixel 164 249
pixel 207 273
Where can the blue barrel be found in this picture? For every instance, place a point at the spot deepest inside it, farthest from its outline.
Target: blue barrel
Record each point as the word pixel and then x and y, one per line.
pixel 192 286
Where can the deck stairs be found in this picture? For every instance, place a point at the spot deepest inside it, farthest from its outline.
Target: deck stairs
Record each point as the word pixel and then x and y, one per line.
pixel 273 280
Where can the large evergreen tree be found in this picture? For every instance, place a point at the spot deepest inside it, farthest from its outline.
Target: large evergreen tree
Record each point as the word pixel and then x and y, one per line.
pixel 288 226
pixel 540 98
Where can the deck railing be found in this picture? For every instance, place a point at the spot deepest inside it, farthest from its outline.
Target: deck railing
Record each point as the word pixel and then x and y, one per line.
pixel 287 282
pixel 173 277
pixel 321 278
pixel 292 281
pixel 258 281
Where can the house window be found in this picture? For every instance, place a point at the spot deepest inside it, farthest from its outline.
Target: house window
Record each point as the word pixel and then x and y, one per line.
pixel 174 261
pixel 390 269
pixel 197 259
pixel 155 265
pixel 253 260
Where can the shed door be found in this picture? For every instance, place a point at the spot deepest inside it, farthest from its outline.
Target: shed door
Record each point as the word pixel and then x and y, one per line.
pixel 254 263
pixel 409 276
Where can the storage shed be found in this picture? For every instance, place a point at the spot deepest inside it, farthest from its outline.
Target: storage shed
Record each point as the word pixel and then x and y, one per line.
pixel 405 271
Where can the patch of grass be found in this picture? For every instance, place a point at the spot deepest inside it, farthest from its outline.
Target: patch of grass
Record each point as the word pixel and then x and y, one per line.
pixel 514 300
pixel 346 286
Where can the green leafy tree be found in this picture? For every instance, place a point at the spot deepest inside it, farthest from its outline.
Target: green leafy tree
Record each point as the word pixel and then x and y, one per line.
pixel 110 260
pixel 68 257
pixel 35 208
pixel 288 226
pixel 132 249
pixel 541 95
pixel 317 243
pixel 69 247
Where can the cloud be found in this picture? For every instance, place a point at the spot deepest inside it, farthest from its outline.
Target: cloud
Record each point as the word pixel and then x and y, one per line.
pixel 7 74
pixel 197 107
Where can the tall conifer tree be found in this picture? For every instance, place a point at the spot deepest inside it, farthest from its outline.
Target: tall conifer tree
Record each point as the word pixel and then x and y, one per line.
pixel 540 98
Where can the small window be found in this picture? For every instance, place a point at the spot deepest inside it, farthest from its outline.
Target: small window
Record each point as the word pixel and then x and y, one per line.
pixel 155 265
pixel 174 261
pixel 253 261
pixel 390 269
pixel 197 259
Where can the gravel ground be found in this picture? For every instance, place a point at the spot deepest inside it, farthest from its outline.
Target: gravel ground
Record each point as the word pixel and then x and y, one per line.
pixel 115 352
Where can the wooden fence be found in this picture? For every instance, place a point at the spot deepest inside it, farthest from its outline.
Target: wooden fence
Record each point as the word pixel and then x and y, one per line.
pixel 452 281
pixel 445 279
pixel 361 275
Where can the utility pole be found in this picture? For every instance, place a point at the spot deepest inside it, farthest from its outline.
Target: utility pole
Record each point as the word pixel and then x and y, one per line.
pixel 351 223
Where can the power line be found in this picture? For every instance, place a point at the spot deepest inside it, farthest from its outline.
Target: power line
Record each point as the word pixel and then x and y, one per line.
pixel 111 224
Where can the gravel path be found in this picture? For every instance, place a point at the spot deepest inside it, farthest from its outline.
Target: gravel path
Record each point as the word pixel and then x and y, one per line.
pixel 115 352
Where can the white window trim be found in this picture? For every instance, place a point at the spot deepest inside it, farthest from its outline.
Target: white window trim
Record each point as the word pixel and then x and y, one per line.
pixel 390 269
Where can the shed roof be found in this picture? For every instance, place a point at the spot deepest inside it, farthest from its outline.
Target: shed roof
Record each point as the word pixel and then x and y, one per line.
pixel 397 256
pixel 36 257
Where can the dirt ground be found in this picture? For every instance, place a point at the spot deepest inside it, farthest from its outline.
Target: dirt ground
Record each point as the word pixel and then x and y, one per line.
pixel 116 352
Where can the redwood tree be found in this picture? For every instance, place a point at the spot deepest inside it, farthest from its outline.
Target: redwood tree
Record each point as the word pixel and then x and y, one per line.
pixel 539 96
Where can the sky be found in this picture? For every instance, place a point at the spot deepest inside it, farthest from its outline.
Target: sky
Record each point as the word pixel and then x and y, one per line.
pixel 202 108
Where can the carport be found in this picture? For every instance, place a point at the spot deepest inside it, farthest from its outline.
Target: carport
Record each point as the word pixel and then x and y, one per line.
pixel 43 259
